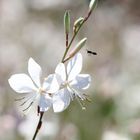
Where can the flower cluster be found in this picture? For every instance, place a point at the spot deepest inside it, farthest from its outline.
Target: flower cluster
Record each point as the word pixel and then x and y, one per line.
pixel 57 90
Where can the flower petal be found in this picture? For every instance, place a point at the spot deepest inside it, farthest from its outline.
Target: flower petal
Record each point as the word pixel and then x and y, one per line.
pixel 51 84
pixel 35 71
pixel 60 70
pixel 21 83
pixel 45 102
pixel 61 100
pixel 81 82
pixel 74 66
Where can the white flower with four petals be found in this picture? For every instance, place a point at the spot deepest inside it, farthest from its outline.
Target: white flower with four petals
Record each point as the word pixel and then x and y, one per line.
pixel 71 82
pixel 32 88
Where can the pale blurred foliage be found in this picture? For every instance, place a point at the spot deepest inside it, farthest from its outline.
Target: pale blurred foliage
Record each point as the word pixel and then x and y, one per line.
pixel 34 28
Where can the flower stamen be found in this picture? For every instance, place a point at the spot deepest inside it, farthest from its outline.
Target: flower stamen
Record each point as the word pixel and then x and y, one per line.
pixel 28 106
pixel 20 99
pixel 81 103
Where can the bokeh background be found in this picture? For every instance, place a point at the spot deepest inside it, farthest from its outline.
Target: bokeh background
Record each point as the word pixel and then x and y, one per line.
pixel 34 28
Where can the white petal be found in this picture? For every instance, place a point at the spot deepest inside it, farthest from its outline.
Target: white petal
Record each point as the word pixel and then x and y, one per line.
pixel 61 100
pixel 74 66
pixel 35 71
pixel 21 83
pixel 60 70
pixel 51 83
pixel 81 82
pixel 45 102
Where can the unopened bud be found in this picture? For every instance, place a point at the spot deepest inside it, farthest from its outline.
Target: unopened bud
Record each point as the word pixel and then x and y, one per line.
pixel 77 48
pixel 77 23
pixel 67 22
pixel 92 4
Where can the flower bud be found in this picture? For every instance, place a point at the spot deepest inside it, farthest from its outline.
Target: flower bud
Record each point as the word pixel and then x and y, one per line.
pixel 77 23
pixel 78 47
pixel 67 22
pixel 92 4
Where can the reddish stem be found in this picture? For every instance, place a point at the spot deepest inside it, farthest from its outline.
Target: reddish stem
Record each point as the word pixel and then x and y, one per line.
pixel 39 125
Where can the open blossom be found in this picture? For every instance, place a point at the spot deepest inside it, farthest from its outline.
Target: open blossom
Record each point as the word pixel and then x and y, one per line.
pixel 72 83
pixel 32 87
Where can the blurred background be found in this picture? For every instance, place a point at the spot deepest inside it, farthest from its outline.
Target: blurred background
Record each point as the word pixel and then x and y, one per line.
pixel 34 28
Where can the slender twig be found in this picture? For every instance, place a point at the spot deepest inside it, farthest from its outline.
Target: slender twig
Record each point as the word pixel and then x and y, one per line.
pixel 39 125
pixel 74 35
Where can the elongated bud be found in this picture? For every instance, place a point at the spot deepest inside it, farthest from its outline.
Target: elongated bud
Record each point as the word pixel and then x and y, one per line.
pixel 67 22
pixel 77 23
pixel 77 48
pixel 92 4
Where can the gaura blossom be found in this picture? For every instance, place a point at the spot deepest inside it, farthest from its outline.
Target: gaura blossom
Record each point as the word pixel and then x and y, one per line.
pixel 32 87
pixel 72 83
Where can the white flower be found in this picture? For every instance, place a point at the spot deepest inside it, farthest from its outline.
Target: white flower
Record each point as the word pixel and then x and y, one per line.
pixel 71 83
pixel 32 88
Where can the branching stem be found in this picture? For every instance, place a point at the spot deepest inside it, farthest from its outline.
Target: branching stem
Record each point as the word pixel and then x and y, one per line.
pixel 73 37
